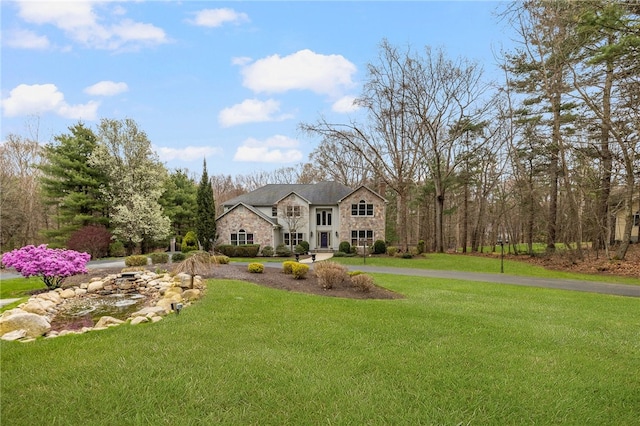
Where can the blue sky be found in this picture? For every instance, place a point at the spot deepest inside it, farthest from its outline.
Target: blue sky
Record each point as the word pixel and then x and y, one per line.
pixel 225 81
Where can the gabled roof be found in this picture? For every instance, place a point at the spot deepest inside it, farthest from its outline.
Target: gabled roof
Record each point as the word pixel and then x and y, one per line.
pixel 322 193
pixel 368 189
pixel 271 220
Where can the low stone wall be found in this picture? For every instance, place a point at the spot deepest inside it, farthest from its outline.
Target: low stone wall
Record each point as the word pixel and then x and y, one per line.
pixel 32 319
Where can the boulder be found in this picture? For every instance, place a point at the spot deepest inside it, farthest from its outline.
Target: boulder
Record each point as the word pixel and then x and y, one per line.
pixel 37 306
pixel 139 320
pixel 191 294
pixel 95 286
pixel 68 293
pixel 33 324
pixel 14 335
pixel 155 310
pixel 52 296
pixel 108 321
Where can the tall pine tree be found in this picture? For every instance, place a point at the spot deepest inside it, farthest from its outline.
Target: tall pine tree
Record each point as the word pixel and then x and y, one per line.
pixel 206 224
pixel 71 185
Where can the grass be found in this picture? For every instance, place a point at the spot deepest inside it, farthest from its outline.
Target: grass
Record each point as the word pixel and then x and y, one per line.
pixel 481 264
pixel 451 352
pixel 19 287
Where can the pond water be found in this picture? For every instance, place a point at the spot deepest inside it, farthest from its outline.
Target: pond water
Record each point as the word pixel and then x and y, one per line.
pixel 87 311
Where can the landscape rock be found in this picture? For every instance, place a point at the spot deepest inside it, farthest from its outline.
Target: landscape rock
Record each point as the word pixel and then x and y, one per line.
pixel 139 320
pixel 68 293
pixel 33 324
pixel 14 335
pixel 108 321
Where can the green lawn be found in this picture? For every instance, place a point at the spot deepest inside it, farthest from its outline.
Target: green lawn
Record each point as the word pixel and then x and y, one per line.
pixel 451 352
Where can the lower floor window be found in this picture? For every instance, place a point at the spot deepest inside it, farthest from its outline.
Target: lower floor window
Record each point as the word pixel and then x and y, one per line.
pixel 292 238
pixel 241 238
pixel 361 236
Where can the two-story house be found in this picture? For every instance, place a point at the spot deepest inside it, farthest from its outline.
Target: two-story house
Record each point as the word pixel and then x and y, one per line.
pixel 323 214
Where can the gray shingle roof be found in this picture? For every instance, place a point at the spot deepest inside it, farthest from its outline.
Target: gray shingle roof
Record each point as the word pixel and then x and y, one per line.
pixel 322 193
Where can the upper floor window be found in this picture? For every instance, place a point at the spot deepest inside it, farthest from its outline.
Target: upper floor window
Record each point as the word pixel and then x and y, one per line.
pixel 323 218
pixel 293 211
pixel 362 209
pixel 274 211
pixel 241 237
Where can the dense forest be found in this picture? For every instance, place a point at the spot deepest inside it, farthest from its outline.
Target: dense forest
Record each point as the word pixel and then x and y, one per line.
pixel 549 153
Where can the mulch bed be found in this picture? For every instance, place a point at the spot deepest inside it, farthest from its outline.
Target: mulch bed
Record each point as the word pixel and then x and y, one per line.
pixel 272 277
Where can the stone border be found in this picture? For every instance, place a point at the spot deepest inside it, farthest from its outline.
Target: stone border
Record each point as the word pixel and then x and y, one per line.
pixel 32 319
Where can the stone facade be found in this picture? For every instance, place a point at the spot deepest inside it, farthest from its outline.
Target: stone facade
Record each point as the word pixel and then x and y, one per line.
pixel 243 218
pixel 375 223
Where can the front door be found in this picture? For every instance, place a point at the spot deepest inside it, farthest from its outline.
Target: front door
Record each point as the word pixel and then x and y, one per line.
pixel 324 240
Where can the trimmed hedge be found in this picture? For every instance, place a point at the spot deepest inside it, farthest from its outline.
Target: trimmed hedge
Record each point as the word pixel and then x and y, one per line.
pixel 220 259
pixel 283 251
pixel 136 260
pixel 178 257
pixel 245 250
pixel 256 268
pixel 287 266
pixel 299 270
pixel 159 258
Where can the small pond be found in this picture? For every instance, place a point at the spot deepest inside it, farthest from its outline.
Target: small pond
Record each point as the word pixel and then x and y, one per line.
pixel 87 311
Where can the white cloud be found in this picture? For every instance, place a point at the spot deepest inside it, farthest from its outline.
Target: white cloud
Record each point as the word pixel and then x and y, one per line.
pixel 106 88
pixel 189 153
pixel 42 98
pixel 345 104
pixel 218 17
pixel 269 150
pixel 79 21
pixel 25 39
pixel 251 111
pixel 303 70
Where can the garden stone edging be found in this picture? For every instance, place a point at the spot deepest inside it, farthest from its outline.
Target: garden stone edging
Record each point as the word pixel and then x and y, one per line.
pixel 32 318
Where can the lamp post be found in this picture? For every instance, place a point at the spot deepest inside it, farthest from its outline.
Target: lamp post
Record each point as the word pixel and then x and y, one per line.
pixel 501 242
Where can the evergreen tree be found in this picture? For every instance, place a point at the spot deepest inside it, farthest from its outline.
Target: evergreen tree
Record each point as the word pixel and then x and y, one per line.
pixel 71 185
pixel 179 202
pixel 206 225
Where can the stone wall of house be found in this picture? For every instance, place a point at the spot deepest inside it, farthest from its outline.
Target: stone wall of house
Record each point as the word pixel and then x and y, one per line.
pixel 375 222
pixel 242 218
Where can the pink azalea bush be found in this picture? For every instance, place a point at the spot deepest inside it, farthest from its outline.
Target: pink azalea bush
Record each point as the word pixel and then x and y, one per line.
pixel 52 265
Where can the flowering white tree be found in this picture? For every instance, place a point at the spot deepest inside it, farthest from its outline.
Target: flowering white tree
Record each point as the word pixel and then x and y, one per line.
pixel 135 182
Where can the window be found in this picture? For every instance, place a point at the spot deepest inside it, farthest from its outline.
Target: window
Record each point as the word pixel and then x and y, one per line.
pixel 292 211
pixel 241 238
pixel 274 211
pixel 636 219
pixel 362 209
pixel 296 237
pixel 358 237
pixel 323 218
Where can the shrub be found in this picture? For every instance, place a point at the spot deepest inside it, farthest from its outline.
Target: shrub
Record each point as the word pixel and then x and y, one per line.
pixel 420 247
pixel 406 255
pixel 52 265
pixel 287 266
pixel 245 250
pixel 299 270
pixel 92 239
pixel 362 282
pixel 330 274
pixel 220 259
pixel 300 249
pixel 283 251
pixel 159 258
pixel 189 242
pixel 256 268
pixel 379 247
pixel 339 254
pixel 392 250
pixel 178 257
pixel 355 273
pixel 305 246
pixel 136 260
pixel 345 247
pixel 267 251
pixel 116 249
